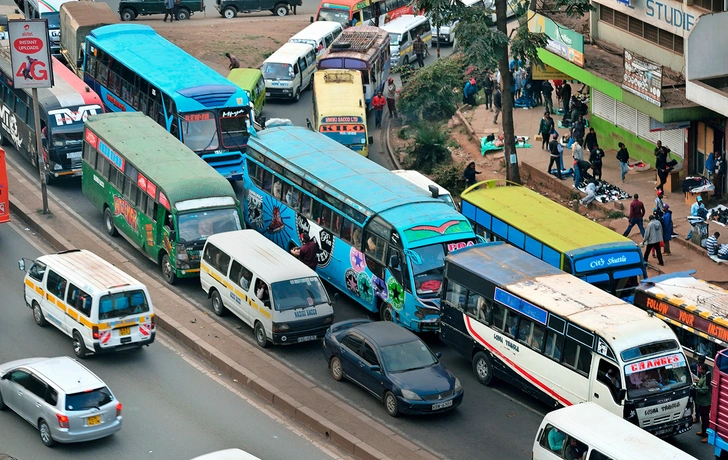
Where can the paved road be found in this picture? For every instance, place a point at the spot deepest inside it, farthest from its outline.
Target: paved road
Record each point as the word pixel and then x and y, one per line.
pixel 174 408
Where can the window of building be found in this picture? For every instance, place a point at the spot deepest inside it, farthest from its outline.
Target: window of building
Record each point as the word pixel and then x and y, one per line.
pixel 641 29
pixel 710 5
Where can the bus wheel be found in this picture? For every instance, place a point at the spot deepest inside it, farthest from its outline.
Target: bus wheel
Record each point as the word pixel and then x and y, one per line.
pixel 109 222
pixel 260 337
pixel 297 96
pixel 38 315
pixel 385 312
pixel 79 347
pixel 483 368
pixel 217 305
pixel 229 12
pixel 281 9
pixel 127 15
pixel 168 271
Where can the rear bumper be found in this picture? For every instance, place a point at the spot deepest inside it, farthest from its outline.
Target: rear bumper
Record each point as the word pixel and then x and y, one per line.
pixel 671 429
pixel 66 436
pixel 98 349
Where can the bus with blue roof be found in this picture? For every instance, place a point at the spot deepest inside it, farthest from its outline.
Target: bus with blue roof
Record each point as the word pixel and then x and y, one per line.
pixel 380 239
pixel 134 69
pixel 503 211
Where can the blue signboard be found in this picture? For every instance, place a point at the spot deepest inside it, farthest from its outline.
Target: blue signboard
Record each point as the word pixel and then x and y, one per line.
pixel 604 261
pixel 520 305
pixel 111 155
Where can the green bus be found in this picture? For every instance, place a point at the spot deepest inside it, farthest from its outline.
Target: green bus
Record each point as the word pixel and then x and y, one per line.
pixel 155 191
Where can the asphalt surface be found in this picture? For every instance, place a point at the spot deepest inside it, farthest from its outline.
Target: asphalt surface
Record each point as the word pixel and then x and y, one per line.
pixel 174 407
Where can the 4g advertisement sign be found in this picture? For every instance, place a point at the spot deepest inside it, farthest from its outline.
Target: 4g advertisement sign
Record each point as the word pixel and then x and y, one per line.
pixel 30 54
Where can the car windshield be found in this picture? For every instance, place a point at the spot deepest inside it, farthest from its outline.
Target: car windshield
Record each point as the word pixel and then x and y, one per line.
pixel 93 399
pixel 274 71
pixel 199 131
pixel 234 128
pixel 67 140
pixel 656 375
pixel 54 20
pixel 198 225
pixel 123 304
pixel 407 356
pixel 394 39
pixel 340 16
pixel 428 270
pixel 300 293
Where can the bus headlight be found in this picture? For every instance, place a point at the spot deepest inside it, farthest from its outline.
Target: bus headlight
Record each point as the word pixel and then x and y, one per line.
pixel 182 253
pixel 280 327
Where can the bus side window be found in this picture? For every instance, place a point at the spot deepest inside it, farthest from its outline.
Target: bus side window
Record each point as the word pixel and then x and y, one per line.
pixel 456 295
pixel 56 284
pixel 306 205
pixel 609 375
pixel 554 345
pixel 499 317
pixel 267 181
pixel 292 196
pixel 553 439
pixel 577 356
pixel 37 271
pixel 240 275
pixel 346 229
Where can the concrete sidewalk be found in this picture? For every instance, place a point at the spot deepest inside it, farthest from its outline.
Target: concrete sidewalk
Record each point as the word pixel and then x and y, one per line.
pixel 534 162
pixel 245 364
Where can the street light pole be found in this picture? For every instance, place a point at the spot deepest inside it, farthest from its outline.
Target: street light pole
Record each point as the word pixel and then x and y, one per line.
pixel 40 154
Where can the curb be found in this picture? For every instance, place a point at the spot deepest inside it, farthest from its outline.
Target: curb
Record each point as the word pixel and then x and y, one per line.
pixel 385 141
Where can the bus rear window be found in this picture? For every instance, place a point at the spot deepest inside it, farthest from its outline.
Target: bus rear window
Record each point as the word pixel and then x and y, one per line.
pixel 123 304
pixel 649 349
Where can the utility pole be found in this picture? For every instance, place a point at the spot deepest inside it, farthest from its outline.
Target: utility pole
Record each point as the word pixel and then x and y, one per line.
pixel 510 156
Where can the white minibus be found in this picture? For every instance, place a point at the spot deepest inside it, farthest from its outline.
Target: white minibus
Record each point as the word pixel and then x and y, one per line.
pixel 319 34
pixel 426 184
pixel 289 71
pixel 597 434
pixel 402 34
pixel 99 306
pixel 273 292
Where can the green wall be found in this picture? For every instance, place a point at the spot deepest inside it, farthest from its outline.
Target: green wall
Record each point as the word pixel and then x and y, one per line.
pixel 610 136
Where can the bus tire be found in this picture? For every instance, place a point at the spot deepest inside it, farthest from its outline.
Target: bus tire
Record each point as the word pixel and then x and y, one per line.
pixel 297 96
pixel 109 222
pixel 38 315
pixel 385 312
pixel 79 347
pixel 183 14
pixel 127 14
pixel 280 10
pixel 483 368
pixel 167 271
pixel 260 337
pixel 229 12
pixel 216 303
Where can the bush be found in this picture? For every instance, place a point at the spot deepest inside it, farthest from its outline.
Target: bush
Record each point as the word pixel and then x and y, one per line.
pixel 429 147
pixel 449 175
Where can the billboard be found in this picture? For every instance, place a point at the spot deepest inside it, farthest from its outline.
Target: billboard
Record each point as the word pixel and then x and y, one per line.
pixel 30 54
pixel 642 77
pixel 561 40
pixel 4 192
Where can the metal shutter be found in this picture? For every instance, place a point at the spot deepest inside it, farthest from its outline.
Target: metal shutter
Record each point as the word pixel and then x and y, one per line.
pixel 626 117
pixel 643 128
pixel 675 140
pixel 603 106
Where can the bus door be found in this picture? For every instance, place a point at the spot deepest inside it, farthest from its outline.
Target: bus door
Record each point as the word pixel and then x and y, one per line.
pixel 605 386
pixel 4 190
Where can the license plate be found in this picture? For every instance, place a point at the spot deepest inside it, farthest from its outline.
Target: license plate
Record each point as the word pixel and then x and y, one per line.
pixel 93 420
pixel 73 155
pixel 442 405
pixel 125 331
pixel 307 338
pixel 662 432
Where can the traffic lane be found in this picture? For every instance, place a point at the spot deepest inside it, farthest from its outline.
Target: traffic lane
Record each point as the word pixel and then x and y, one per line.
pixel 168 399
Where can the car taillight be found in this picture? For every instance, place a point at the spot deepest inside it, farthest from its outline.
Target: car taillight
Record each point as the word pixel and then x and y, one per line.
pixel 118 409
pixel 154 322
pixel 62 420
pixel 96 332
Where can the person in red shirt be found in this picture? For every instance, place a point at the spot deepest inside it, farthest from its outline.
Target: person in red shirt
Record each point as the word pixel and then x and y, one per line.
pixel 307 252
pixel 636 215
pixel 378 102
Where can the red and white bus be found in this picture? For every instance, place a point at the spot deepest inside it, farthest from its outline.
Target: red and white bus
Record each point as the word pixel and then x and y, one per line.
pixel 364 13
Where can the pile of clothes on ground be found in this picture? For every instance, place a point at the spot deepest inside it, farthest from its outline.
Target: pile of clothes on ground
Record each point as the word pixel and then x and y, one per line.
pixel 718 215
pixel 605 192
pixel 493 142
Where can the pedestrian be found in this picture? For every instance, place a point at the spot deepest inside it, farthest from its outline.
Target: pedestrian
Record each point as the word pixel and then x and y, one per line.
pixel 659 204
pixel 703 399
pixel 175 9
pixel 711 244
pixel 636 214
pixel 555 150
pixel 378 103
pixel 577 153
pixel 488 91
pixel 547 90
pixel 595 158
pixel 565 98
pixel 545 127
pixel 234 63
pixel 558 86
pixel 623 158
pixel 391 95
pixel 697 210
pixel 420 50
pixel 497 104
pixel 578 127
pixel 469 174
pixel 591 194
pixel 168 10
pixel 469 91
pixel 719 179
pixel 667 228
pixel 307 252
pixel 652 239
pixel 662 168
pixel 591 139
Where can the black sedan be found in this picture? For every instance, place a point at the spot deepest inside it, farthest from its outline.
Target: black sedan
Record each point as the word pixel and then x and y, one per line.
pixel 393 364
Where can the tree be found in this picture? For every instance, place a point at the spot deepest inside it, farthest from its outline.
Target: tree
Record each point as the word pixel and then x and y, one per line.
pixel 440 12
pixel 431 93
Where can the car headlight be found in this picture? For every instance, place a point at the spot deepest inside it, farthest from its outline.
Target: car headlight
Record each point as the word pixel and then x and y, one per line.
pixel 280 327
pixel 458 387
pixel 411 395
pixel 329 320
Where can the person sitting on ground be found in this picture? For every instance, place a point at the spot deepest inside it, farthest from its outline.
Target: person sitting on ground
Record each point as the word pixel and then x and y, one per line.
pixel 591 194
pixel 711 244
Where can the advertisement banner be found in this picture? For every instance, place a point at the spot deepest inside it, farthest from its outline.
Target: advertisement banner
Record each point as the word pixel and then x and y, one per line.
pixel 546 72
pixel 562 41
pixel 642 77
pixel 4 193
pixel 659 126
pixel 30 54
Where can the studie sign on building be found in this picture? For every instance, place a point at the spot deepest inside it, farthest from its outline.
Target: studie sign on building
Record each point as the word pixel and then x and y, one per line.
pixel 669 15
pixel 30 55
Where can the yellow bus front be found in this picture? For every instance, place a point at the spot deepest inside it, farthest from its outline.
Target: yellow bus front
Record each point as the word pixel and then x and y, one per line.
pixel 350 131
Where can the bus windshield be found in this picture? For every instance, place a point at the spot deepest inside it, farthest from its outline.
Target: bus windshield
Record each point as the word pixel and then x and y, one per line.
pixel 429 269
pixel 234 129
pixel 300 293
pixel 656 375
pixel 198 225
pixel 67 140
pixel 350 138
pixel 274 71
pixel 340 16
pixel 395 38
pixel 199 131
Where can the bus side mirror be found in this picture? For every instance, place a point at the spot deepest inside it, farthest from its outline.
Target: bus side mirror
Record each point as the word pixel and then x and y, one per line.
pixel 172 235
pixel 336 298
pixel 434 191
pixel 394 262
pixel 266 303
pixel 309 125
pixel 310 18
pixel 622 395
pixel 438 355
pixel 21 265
pixel 371 140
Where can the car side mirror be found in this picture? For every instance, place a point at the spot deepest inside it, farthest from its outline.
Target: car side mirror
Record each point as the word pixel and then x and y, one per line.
pixel 310 18
pixel 622 395
pixel 309 124
pixel 438 355
pixel 375 368
pixel 21 265
pixel 5 377
pixel 371 140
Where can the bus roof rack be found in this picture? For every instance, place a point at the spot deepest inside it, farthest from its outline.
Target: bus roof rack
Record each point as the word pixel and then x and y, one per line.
pixel 357 41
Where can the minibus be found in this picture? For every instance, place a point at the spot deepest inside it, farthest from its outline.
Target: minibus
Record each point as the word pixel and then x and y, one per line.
pixel 320 35
pixel 272 291
pixel 99 306
pixel 402 33
pixel 252 81
pixel 426 184
pixel 289 71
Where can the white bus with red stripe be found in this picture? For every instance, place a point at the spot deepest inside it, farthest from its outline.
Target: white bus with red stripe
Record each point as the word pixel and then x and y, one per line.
pixel 561 339
pixel 99 306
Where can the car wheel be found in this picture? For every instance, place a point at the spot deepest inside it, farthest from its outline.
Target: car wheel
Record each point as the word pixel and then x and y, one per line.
pixel 38 315
pixel 337 370
pixel 229 12
pixel 260 337
pixel 168 271
pixel 483 368
pixel 183 14
pixel 217 305
pixel 390 404
pixel 109 222
pixel 127 15
pixel 297 96
pixel 79 347
pixel 281 9
pixel 385 312
pixel 45 434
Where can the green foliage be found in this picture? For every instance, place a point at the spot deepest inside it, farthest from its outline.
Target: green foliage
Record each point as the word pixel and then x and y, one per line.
pixel 432 93
pixel 615 215
pixel 524 46
pixel 429 148
pixel 481 45
pixel 575 8
pixel 449 175
pixel 441 11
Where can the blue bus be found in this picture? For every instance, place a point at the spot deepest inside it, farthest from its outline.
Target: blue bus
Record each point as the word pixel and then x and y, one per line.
pixel 133 68
pixel 381 240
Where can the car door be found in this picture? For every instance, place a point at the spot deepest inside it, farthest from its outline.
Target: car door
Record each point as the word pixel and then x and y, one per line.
pixel 15 393
pixel 349 355
pixel 34 405
pixel 54 306
pixel 373 380
pixel 237 300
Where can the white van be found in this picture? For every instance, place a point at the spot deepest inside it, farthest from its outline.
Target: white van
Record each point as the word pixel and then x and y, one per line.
pixel 50 10
pixel 426 184
pixel 599 435
pixel 289 71
pixel 277 295
pixel 402 34
pixel 319 34
pixel 447 30
pixel 99 306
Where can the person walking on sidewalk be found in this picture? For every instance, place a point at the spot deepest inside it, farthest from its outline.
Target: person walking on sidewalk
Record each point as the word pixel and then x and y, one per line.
pixel 636 214
pixel 497 103
pixel 555 149
pixel 653 238
pixel 420 49
pixel 591 139
pixel 545 128
pixel 623 158
pixel 469 174
pixel 391 95
pixel 547 90
pixel 595 158
pixel 488 91
pixel 667 228
pixel 378 103
pixel 719 178
pixel 703 399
